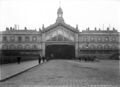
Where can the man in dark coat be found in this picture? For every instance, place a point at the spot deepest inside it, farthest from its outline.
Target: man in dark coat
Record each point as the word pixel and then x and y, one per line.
pixel 18 60
pixel 43 58
pixel 39 59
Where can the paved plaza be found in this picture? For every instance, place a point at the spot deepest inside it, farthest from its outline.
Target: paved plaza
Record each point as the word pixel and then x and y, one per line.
pixel 68 73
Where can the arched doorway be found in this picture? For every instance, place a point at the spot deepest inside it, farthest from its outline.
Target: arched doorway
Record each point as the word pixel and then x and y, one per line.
pixel 60 51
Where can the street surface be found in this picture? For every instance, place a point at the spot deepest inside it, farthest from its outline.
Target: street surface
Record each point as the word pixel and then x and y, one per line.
pixel 68 73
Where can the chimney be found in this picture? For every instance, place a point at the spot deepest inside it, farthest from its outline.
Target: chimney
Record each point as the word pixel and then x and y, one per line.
pixel 43 26
pixel 15 27
pixel 25 28
pixel 10 28
pixel 76 26
pixel 108 29
pixel 95 28
pixel 113 29
pixel 88 28
pixel 99 29
pixel 7 28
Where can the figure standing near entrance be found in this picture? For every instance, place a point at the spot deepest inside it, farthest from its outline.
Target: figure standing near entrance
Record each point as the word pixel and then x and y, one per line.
pixel 52 56
pixel 43 58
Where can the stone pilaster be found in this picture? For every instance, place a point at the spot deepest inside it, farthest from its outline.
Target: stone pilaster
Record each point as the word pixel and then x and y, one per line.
pixel 76 49
pixel 43 44
pixel 76 45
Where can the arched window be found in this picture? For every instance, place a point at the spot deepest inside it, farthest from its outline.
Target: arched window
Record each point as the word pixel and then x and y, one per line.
pixel 34 46
pixel 19 47
pixel 84 46
pixel 99 47
pixel 92 46
pixel 110 39
pixel 12 47
pixel 113 47
pixel 27 46
pixel 4 47
pixel 106 46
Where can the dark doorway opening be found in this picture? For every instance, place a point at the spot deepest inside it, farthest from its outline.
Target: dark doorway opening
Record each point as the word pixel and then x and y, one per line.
pixel 60 51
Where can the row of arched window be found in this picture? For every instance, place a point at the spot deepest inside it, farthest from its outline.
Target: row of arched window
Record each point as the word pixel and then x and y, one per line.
pixel 98 39
pixel 99 47
pixel 19 47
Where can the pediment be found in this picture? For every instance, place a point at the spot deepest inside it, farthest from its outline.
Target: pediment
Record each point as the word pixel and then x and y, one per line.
pixel 68 27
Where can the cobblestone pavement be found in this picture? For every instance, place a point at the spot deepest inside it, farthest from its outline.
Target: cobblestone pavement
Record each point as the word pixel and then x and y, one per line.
pixel 68 73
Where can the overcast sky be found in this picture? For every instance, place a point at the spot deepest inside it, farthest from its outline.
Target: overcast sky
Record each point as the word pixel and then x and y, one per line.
pixel 85 13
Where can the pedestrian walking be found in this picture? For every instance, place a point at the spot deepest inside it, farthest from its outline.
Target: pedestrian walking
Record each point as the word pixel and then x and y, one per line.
pixel 39 59
pixel 43 59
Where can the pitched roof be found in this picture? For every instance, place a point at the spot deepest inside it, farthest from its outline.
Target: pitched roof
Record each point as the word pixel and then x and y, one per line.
pixel 63 24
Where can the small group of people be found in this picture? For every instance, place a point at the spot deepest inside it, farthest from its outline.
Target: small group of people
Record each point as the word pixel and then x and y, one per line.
pixel 41 59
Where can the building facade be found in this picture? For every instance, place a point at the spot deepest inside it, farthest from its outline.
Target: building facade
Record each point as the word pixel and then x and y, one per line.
pixel 59 40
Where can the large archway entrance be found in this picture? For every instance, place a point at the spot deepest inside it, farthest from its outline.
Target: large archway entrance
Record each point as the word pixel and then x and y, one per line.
pixel 60 51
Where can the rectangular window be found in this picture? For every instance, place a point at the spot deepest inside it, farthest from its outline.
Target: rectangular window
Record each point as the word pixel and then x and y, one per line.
pixel 19 38
pixel 4 38
pixel 27 39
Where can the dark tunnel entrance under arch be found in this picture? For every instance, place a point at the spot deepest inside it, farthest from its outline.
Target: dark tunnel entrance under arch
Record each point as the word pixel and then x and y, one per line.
pixel 60 51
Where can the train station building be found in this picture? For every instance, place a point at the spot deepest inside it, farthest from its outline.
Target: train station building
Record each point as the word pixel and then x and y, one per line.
pixel 60 40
